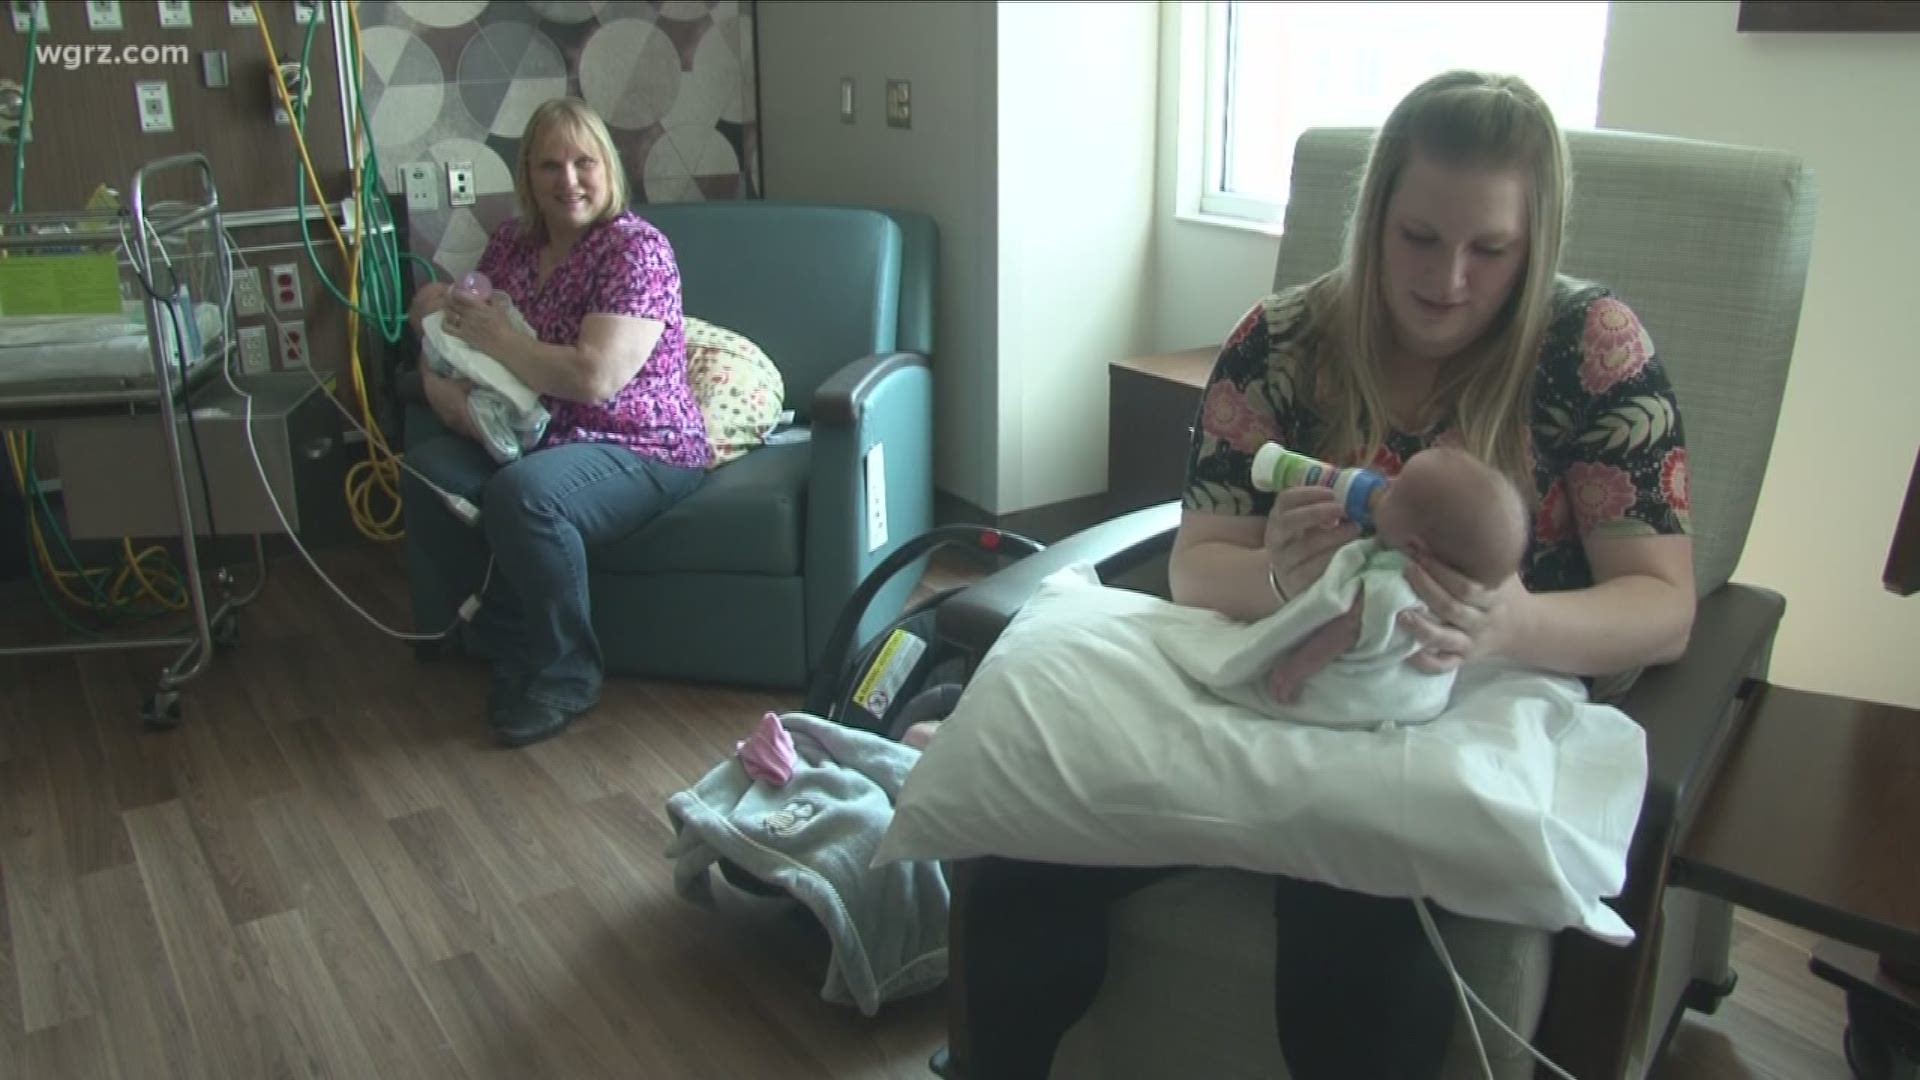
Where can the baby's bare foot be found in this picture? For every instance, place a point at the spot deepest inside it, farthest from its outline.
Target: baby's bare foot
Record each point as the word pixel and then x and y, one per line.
pixel 920 734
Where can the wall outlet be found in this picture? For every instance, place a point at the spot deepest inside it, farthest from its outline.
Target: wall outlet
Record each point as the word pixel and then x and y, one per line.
pixel 293 344
pixel 876 497
pixel 156 107
pixel 247 298
pixel 422 192
pixel 899 103
pixel 27 13
pixel 306 11
pixel 284 283
pixel 460 190
pixel 176 15
pixel 104 15
pixel 240 13
pixel 254 359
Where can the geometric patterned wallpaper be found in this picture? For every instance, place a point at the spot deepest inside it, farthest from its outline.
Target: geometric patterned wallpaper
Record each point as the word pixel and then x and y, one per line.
pixel 455 80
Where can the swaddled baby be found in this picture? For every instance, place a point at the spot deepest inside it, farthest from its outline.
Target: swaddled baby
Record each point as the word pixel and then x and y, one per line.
pixel 1445 504
pixel 505 412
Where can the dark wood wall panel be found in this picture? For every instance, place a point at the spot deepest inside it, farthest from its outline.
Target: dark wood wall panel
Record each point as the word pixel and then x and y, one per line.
pixel 87 126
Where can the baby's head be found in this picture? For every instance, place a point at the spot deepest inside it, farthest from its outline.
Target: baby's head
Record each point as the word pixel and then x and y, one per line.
pixel 1459 510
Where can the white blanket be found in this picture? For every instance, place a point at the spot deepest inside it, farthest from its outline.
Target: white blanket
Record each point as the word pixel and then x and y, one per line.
pixel 477 367
pixel 1371 684
pixel 1078 741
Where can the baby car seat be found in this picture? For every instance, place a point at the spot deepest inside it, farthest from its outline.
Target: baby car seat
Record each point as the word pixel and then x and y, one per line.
pixel 903 674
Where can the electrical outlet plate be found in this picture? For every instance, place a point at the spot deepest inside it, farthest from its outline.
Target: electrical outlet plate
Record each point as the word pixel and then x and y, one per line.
pixel 26 12
pixel 899 103
pixel 247 298
pixel 460 190
pixel 422 192
pixel 254 359
pixel 306 11
pixel 104 15
pixel 284 287
pixel 176 15
pixel 240 13
pixel 156 108
pixel 293 344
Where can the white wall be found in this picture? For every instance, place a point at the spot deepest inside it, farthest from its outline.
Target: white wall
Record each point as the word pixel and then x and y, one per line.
pixel 1038 167
pixel 1076 178
pixel 1848 428
pixel 943 165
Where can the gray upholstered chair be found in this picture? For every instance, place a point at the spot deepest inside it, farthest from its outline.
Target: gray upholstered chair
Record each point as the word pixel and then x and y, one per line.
pixel 1709 244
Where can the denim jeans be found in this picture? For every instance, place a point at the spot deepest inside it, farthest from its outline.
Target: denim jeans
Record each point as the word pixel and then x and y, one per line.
pixel 538 518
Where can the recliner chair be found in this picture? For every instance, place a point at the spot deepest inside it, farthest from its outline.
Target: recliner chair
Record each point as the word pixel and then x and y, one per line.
pixel 1709 244
pixel 741 582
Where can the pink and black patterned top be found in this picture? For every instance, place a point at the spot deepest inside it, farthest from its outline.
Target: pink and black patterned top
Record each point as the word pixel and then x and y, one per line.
pixel 622 266
pixel 1609 451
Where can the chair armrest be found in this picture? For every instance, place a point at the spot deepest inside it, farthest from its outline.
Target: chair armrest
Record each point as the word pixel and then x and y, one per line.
pixel 882 402
pixel 1599 998
pixel 1684 707
pixel 974 618
pixel 844 395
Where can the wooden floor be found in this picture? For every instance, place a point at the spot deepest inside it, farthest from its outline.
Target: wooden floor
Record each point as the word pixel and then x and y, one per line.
pixel 328 870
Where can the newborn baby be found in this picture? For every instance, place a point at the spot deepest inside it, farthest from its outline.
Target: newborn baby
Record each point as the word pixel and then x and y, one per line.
pixel 505 411
pixel 1445 504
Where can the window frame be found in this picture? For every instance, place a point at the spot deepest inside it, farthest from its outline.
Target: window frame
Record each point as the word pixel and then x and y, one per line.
pixel 1214 198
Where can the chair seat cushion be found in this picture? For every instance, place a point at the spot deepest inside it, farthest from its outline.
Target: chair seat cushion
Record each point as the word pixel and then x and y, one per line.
pixel 745 518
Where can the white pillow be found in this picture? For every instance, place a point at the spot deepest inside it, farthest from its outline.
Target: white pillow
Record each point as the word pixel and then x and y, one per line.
pixel 1078 742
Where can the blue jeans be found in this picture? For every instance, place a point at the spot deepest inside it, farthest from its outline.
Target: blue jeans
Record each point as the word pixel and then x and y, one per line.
pixel 538 517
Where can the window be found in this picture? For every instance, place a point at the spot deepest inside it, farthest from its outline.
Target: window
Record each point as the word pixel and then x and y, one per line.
pixel 1273 70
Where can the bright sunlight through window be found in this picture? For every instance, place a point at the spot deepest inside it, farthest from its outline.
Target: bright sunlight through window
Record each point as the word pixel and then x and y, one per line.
pixel 1276 69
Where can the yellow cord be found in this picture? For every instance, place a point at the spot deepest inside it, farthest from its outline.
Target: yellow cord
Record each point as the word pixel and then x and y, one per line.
pixel 377 477
pixel 134 566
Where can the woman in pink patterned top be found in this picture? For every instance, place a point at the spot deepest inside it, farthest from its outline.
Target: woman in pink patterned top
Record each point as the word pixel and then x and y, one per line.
pixel 626 440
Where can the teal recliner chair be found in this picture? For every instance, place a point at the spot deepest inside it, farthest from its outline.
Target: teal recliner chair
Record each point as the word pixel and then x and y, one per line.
pixel 742 581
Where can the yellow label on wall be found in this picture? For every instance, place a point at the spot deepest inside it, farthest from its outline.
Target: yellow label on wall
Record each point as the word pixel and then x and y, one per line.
pixel 59 285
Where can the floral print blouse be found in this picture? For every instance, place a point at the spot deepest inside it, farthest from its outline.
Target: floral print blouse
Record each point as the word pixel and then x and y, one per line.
pixel 622 266
pixel 1610 457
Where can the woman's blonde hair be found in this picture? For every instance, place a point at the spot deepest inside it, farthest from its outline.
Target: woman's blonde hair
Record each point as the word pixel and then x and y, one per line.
pixel 579 122
pixel 1460 118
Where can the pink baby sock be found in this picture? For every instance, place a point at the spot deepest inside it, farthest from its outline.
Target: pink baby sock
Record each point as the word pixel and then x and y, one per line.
pixel 768 753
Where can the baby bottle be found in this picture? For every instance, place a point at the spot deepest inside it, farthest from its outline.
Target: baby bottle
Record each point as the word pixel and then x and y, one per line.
pixel 475 284
pixel 1358 490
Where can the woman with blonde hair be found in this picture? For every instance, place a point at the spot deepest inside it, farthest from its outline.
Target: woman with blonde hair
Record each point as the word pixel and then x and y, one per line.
pixel 1448 322
pixel 625 441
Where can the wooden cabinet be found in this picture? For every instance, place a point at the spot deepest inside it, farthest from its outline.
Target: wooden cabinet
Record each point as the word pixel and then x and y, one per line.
pixel 1153 402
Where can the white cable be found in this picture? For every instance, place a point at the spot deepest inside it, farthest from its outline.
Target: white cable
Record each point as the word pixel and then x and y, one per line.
pixel 467 608
pixel 1464 993
pixel 461 507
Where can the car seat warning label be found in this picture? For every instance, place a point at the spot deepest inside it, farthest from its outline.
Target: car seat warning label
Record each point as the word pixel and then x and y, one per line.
pixel 881 685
